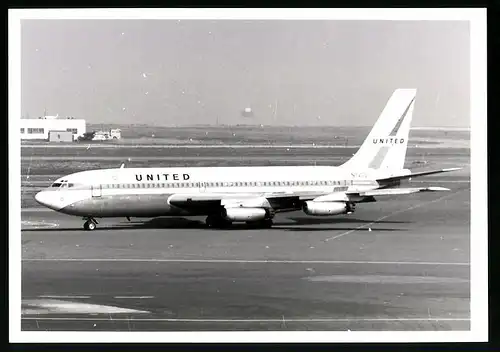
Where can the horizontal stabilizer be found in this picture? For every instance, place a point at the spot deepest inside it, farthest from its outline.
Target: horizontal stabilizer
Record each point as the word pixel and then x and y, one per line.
pixel 417 174
pixel 397 191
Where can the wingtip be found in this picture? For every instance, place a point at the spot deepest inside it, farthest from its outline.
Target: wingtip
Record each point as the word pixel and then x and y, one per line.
pixel 452 169
pixel 438 189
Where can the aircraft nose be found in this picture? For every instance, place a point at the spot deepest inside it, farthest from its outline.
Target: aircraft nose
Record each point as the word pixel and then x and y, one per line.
pixel 43 198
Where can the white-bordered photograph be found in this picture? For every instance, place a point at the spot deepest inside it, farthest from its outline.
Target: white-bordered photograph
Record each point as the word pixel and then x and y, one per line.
pixel 247 175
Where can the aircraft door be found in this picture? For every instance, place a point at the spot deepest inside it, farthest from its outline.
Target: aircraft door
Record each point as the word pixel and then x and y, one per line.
pixel 96 190
pixel 203 186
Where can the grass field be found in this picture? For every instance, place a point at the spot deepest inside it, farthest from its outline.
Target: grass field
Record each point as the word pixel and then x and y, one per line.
pixel 266 135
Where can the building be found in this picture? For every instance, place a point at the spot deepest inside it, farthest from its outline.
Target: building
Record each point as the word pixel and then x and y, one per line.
pixel 40 128
pixel 61 136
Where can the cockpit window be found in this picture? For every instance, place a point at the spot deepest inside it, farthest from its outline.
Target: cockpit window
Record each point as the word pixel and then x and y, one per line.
pixel 56 184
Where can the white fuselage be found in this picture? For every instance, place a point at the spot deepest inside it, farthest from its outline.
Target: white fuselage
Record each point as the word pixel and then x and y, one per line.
pixel 147 192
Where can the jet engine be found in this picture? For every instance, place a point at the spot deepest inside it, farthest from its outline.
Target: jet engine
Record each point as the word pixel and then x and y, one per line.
pixel 326 208
pixel 244 214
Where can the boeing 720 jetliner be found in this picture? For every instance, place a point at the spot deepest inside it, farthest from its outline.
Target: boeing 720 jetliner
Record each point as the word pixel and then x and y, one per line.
pixel 248 194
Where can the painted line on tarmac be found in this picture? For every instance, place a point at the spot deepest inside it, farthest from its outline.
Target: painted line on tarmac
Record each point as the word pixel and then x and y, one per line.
pixel 291 320
pixel 63 297
pixel 133 297
pixel 38 224
pixel 236 261
pixel 36 210
pixel 53 306
pixel 391 214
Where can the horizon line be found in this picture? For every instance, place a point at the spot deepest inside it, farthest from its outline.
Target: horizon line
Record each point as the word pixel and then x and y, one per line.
pixel 262 125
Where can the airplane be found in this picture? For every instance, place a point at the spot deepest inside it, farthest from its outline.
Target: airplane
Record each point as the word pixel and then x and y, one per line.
pixel 249 194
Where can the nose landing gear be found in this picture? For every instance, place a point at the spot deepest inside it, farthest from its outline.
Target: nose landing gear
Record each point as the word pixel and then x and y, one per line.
pixel 90 224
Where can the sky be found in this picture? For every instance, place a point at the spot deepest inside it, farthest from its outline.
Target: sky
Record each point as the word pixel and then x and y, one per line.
pixel 288 72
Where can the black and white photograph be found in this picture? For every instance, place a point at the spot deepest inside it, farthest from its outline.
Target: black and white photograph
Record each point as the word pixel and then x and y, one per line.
pixel 247 175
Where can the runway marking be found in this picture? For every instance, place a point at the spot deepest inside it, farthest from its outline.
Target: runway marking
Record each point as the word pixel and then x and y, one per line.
pixel 53 306
pixel 38 223
pixel 36 210
pixel 391 214
pixel 223 261
pixel 63 297
pixel 279 320
pixel 133 297
pixel 388 279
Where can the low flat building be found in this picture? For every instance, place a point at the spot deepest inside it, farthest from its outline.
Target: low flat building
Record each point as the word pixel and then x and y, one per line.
pixel 38 129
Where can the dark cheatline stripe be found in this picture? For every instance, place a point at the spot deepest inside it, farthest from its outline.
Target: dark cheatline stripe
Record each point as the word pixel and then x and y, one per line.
pixel 379 158
pixel 401 119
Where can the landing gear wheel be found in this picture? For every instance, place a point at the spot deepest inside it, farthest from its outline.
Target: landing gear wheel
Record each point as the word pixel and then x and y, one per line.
pixel 217 222
pixel 89 225
pixel 209 221
pixel 350 207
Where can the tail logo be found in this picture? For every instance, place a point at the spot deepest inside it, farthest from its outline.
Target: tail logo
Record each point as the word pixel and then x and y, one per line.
pixel 388 140
pixel 401 119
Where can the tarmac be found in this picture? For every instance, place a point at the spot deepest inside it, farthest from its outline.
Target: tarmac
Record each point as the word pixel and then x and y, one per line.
pixel 397 264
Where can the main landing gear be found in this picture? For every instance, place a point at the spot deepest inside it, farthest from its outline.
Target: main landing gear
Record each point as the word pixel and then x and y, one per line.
pixel 90 224
pixel 217 222
pixel 350 207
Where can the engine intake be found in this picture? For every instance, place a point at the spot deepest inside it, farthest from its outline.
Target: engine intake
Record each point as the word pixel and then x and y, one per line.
pixel 326 208
pixel 244 214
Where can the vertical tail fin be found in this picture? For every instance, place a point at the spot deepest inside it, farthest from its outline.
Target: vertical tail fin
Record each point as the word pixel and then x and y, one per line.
pixel 385 146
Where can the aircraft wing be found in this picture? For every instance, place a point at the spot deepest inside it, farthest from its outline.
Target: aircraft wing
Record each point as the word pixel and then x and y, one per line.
pixel 277 200
pixel 397 191
pixel 416 174
pixel 284 201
